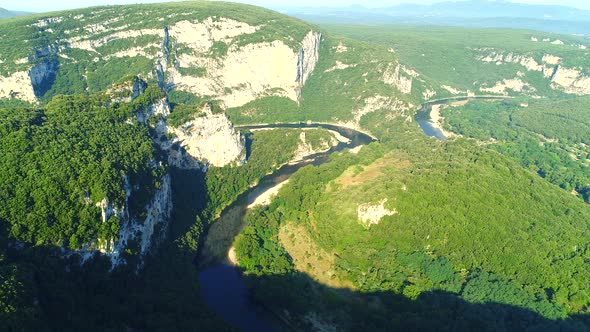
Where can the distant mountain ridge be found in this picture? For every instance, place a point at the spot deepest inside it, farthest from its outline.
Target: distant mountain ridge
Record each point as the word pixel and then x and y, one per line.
pixel 474 13
pixel 5 13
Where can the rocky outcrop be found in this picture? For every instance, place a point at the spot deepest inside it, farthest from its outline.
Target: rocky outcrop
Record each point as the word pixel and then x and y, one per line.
pixel 112 247
pixel 378 102
pixel 308 57
pixel 162 63
pixel 18 86
pixel 161 108
pixel 452 90
pixel 568 80
pixel 158 212
pixel 142 231
pixel 43 75
pixel 501 87
pixel 33 83
pixel 212 139
pixel 206 57
pixel 339 66
pixel 127 91
pixel 371 214
pixel 305 148
pixel 399 77
pixel 427 94
pixel 44 70
pixel 243 73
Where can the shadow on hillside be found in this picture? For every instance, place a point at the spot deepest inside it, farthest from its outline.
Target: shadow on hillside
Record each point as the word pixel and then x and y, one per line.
pixel 289 302
pixel 189 198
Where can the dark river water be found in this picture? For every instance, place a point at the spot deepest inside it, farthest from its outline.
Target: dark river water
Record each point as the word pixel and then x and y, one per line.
pixel 221 284
pixel 425 122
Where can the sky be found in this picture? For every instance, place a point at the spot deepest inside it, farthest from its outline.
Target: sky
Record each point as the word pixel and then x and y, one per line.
pixel 50 5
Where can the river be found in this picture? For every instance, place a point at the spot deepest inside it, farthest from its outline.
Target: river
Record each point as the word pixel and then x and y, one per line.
pixel 221 284
pixel 432 129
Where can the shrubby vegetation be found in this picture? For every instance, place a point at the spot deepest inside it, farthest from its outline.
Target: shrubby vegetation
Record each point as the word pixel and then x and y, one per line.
pixel 462 214
pixel 448 55
pixel 477 243
pixel 549 138
pixel 269 150
pixel 81 71
pixel 58 162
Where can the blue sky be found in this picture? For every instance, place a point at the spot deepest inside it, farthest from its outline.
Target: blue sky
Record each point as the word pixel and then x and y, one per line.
pixel 49 5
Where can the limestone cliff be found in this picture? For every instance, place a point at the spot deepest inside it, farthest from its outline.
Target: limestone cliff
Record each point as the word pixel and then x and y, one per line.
pixel 139 231
pixel 44 68
pixel 400 77
pixel 30 84
pixel 212 139
pixel 207 140
pixel 308 57
pixel 126 91
pixel 570 80
pixel 234 61
pixel 142 231
pixel 243 73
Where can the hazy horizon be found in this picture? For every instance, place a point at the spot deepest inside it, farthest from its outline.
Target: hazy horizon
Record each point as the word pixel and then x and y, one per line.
pixel 40 6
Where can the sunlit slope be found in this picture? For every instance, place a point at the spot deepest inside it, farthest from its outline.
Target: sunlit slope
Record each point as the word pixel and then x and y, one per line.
pixel 492 61
pixel 205 49
pixel 549 137
pixel 413 216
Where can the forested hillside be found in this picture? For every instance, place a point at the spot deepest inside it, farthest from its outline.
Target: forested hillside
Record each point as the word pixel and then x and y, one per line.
pixel 119 155
pixel 548 137
pixel 486 61
pixel 457 219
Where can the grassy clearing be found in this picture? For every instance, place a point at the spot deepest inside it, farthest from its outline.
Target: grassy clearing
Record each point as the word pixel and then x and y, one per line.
pixel 358 175
pixel 308 257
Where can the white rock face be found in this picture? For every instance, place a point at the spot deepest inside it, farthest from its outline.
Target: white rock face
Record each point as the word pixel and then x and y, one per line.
pixel 515 84
pixel 89 43
pixel 427 94
pixel 107 210
pixel 339 66
pixel 158 211
pixel 132 89
pixel 305 149
pixel 245 73
pixel 452 90
pixel 393 76
pixel 308 57
pixel 551 59
pixel 161 107
pixel 341 48
pixel 200 36
pixel 18 85
pixel 212 139
pixel 27 84
pixel 235 74
pixel 378 102
pixel 48 21
pixel 569 80
pixel 371 214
